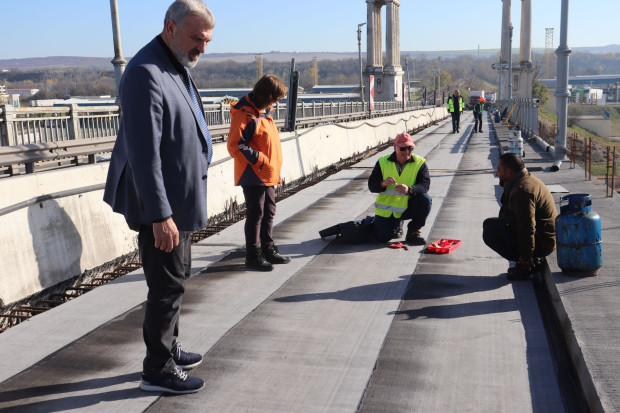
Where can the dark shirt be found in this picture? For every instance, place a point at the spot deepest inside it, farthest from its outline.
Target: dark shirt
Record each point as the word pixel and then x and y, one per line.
pixel 177 65
pixel 422 182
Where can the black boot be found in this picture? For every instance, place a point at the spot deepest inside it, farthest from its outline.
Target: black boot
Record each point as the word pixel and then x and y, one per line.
pixel 256 260
pixel 414 237
pixel 399 230
pixel 273 256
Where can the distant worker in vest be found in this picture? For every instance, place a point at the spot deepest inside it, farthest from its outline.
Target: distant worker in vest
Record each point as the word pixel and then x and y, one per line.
pixel 401 180
pixel 254 144
pixel 524 232
pixel 455 107
pixel 478 109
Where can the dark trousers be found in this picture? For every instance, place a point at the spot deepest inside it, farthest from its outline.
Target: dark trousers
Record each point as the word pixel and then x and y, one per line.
pixel 165 274
pixel 260 204
pixel 456 120
pixel 503 240
pixel 478 124
pixel 418 208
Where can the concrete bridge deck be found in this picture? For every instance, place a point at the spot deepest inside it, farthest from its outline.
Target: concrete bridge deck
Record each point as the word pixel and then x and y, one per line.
pixel 346 328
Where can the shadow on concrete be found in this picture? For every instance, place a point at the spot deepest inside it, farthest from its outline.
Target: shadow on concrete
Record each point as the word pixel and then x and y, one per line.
pixel 21 400
pixel 56 242
pixel 461 144
pixel 460 310
pixel 541 371
pixel 427 286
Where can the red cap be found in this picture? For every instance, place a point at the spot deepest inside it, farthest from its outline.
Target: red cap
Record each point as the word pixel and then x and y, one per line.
pixel 404 139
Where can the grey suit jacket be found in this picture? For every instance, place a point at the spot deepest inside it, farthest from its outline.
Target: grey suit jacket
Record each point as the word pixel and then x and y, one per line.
pixel 159 164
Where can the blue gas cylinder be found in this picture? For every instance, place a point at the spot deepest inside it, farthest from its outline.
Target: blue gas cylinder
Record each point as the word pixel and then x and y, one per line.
pixel 578 235
pixel 496 118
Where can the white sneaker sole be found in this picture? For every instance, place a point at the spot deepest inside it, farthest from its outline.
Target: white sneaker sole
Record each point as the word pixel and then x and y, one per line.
pixel 189 366
pixel 146 386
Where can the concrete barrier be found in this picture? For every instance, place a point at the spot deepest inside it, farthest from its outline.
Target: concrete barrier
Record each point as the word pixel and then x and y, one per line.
pixel 57 225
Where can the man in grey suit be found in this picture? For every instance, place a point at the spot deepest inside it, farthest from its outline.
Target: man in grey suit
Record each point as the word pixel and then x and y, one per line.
pixel 158 180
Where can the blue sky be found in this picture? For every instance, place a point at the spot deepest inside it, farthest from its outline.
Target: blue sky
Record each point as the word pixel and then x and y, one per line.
pixel 38 28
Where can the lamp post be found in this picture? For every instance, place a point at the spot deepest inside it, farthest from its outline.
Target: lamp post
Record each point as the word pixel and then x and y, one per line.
pixel 359 50
pixel 118 61
pixel 510 64
pixel 561 88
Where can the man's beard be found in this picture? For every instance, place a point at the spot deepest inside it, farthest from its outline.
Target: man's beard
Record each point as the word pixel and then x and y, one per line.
pixel 183 58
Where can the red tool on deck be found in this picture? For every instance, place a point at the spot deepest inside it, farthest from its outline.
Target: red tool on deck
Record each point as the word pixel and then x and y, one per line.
pixel 444 246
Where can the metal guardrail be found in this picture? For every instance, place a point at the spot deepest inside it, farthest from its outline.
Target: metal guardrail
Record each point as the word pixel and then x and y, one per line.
pixel 521 112
pixel 31 135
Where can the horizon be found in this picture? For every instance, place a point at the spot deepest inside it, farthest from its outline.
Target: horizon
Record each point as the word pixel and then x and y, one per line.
pixel 515 51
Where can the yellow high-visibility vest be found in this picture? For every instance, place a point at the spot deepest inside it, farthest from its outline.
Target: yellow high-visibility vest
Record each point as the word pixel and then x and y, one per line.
pixel 391 202
pixel 451 104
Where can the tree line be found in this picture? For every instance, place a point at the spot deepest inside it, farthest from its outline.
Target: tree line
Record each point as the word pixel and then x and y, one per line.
pixel 462 71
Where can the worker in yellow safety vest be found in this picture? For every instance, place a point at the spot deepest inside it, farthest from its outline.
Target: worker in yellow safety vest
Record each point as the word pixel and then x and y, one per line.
pixel 455 107
pixel 401 180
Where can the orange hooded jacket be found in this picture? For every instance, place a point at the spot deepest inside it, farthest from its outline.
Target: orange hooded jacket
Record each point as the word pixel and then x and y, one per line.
pixel 254 144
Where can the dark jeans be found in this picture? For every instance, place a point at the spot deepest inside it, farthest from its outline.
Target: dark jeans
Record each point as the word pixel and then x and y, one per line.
pixel 456 120
pixel 260 204
pixel 417 211
pixel 165 277
pixel 503 240
pixel 478 124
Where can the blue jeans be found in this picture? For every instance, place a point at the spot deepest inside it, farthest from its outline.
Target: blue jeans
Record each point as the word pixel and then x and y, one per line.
pixel 417 211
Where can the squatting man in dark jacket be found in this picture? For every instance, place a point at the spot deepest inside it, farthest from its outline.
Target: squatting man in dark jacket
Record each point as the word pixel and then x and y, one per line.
pixel 524 232
pixel 401 180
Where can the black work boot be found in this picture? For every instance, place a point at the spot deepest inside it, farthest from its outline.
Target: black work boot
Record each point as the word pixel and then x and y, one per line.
pixel 273 256
pixel 414 237
pixel 519 274
pixel 256 260
pixel 399 230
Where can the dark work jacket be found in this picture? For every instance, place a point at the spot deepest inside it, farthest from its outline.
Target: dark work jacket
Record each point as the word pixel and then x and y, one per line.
pixel 478 107
pixel 529 209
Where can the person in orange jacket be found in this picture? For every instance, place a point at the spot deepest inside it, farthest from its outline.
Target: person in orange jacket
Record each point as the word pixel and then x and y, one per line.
pixel 254 144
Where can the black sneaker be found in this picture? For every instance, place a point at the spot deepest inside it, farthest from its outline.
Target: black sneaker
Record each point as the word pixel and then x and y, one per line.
pixel 185 359
pixel 273 256
pixel 256 260
pixel 414 237
pixel 176 381
pixel 519 274
pixel 539 266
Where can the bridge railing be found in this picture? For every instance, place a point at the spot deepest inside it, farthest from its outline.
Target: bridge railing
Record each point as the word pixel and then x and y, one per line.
pixel 521 112
pixel 30 135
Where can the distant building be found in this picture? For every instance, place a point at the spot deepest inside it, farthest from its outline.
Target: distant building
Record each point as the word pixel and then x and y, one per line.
pixel 586 80
pixel 336 89
pixel 216 93
pixel 4 98
pixel 22 92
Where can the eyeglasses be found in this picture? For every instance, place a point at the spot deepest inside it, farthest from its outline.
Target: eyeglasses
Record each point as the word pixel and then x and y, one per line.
pixel 405 148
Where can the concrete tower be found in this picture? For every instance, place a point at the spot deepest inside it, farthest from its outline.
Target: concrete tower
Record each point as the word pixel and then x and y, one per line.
pixel 388 76
pixel 522 73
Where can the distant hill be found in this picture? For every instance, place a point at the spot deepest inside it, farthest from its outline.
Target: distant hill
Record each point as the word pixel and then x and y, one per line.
pixel 105 62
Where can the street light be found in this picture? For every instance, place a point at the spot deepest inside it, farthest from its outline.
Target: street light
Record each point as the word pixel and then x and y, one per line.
pixel 407 69
pixel 510 64
pixel 359 49
pixel 118 61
